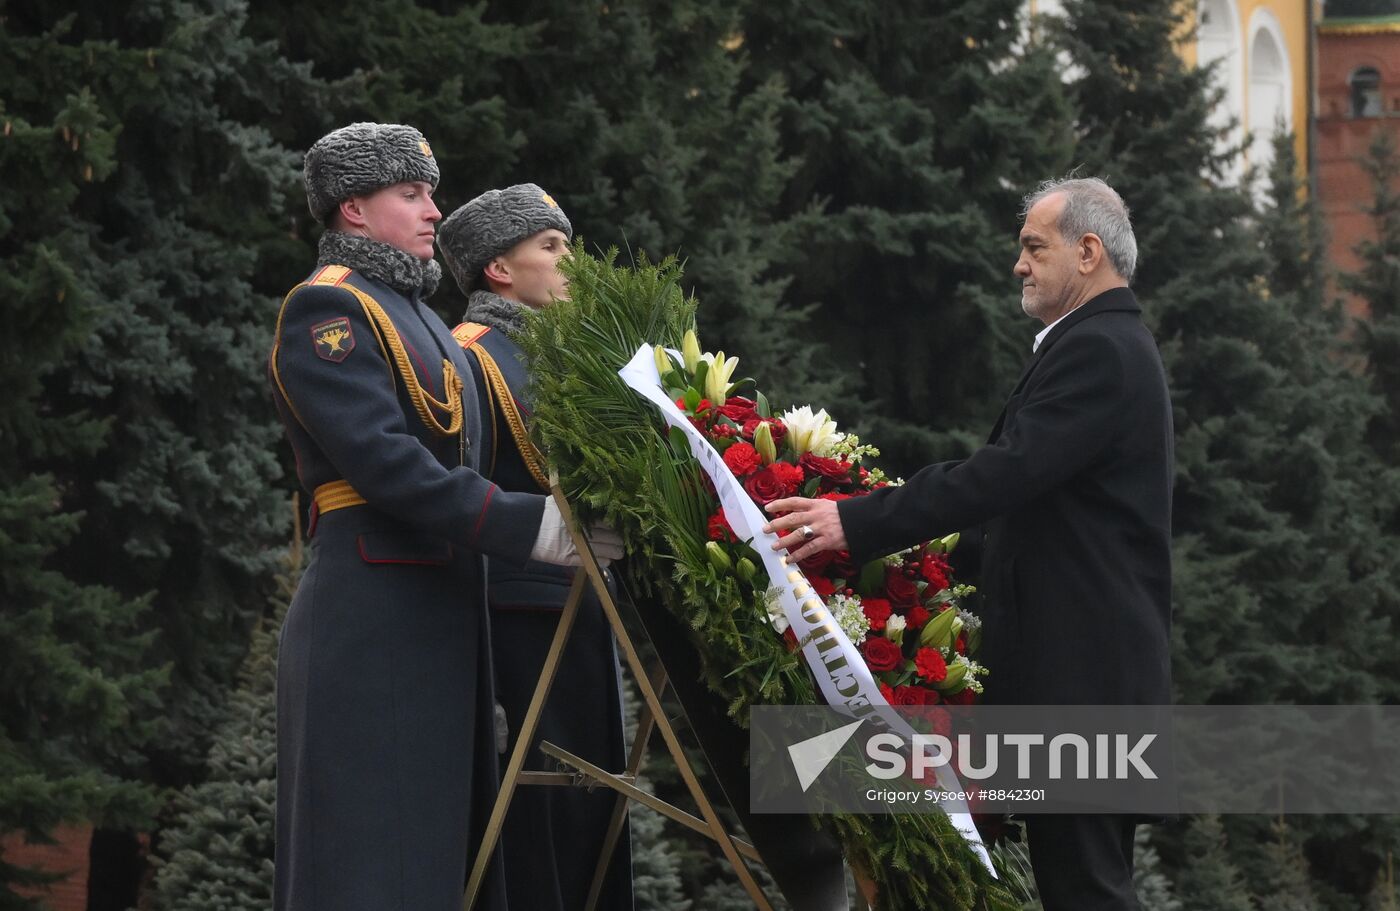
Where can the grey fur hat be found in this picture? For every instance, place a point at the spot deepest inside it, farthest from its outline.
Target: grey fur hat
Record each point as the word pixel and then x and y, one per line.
pixel 491 224
pixel 360 159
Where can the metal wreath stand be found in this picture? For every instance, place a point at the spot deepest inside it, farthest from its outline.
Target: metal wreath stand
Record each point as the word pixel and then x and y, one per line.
pixel 586 774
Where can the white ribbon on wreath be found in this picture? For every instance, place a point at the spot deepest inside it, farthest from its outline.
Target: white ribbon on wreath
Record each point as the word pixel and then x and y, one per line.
pixel 845 682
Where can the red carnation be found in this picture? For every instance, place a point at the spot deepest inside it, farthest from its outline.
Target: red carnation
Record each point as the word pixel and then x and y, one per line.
pixel 960 646
pixel 834 496
pixel 822 586
pixel 738 409
pixel 881 654
pixel 877 611
pixel 929 665
pixel 901 590
pixel 886 692
pixel 934 568
pixel 918 615
pixel 720 529
pixel 826 468
pixel 742 458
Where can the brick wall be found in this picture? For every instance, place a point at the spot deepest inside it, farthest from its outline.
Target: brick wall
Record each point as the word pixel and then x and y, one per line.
pixel 1343 188
pixel 69 857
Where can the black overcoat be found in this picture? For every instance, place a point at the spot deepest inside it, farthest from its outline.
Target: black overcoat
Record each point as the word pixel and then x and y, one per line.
pixel 1073 494
pixel 385 756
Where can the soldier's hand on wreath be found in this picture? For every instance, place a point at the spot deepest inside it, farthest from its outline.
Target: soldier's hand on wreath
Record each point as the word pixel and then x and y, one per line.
pixel 555 545
pixel 810 527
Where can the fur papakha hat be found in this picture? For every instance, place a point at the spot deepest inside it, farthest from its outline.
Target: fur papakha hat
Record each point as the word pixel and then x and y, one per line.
pixel 491 224
pixel 362 158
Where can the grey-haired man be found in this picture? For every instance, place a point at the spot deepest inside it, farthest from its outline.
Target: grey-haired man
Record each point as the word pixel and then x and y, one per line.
pixel 1073 496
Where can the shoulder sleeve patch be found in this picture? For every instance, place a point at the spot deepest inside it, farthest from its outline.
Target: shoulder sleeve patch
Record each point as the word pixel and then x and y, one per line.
pixel 334 339
pixel 467 334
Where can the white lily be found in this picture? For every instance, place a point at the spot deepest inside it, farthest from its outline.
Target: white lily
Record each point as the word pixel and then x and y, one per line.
pixel 808 432
pixel 776 615
pixel 719 376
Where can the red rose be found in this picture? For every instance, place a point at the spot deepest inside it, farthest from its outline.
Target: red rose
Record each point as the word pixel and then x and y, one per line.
pixel 918 615
pixel 843 566
pixel 826 468
pixel 773 483
pixel 877 611
pixel 881 654
pixel 720 530
pixel 777 428
pixel 816 564
pixel 738 409
pixel 742 459
pixel 934 568
pixel 908 695
pixel 822 586
pixel 961 697
pixel 929 665
pixel 901 590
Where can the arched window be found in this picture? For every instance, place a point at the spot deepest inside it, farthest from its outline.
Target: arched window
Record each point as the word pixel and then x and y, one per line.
pixel 1218 45
pixel 1270 87
pixel 1366 92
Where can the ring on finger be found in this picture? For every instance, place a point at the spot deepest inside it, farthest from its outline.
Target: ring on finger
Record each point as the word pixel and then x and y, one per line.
pixel 807 533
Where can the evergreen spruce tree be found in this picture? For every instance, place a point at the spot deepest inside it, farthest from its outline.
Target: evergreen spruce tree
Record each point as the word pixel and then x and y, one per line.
pixel 1207 880
pixel 79 688
pixel 917 129
pixel 1378 284
pixel 1154 889
pixel 171 194
pixel 1289 888
pixel 218 852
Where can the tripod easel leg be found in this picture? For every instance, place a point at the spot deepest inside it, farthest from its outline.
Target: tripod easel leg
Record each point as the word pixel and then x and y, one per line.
pixel 645 723
pixel 653 702
pixel 523 740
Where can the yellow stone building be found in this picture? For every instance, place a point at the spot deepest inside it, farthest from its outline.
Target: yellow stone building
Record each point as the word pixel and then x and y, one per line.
pixel 1265 50
pixel 1265 54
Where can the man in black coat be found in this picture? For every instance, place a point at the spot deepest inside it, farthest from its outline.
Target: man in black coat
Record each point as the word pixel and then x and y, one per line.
pixel 1073 496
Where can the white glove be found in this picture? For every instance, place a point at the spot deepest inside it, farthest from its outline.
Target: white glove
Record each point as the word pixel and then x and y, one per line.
pixel 555 545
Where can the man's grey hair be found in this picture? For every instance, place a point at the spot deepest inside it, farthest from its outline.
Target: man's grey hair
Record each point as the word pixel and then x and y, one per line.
pixel 1092 207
